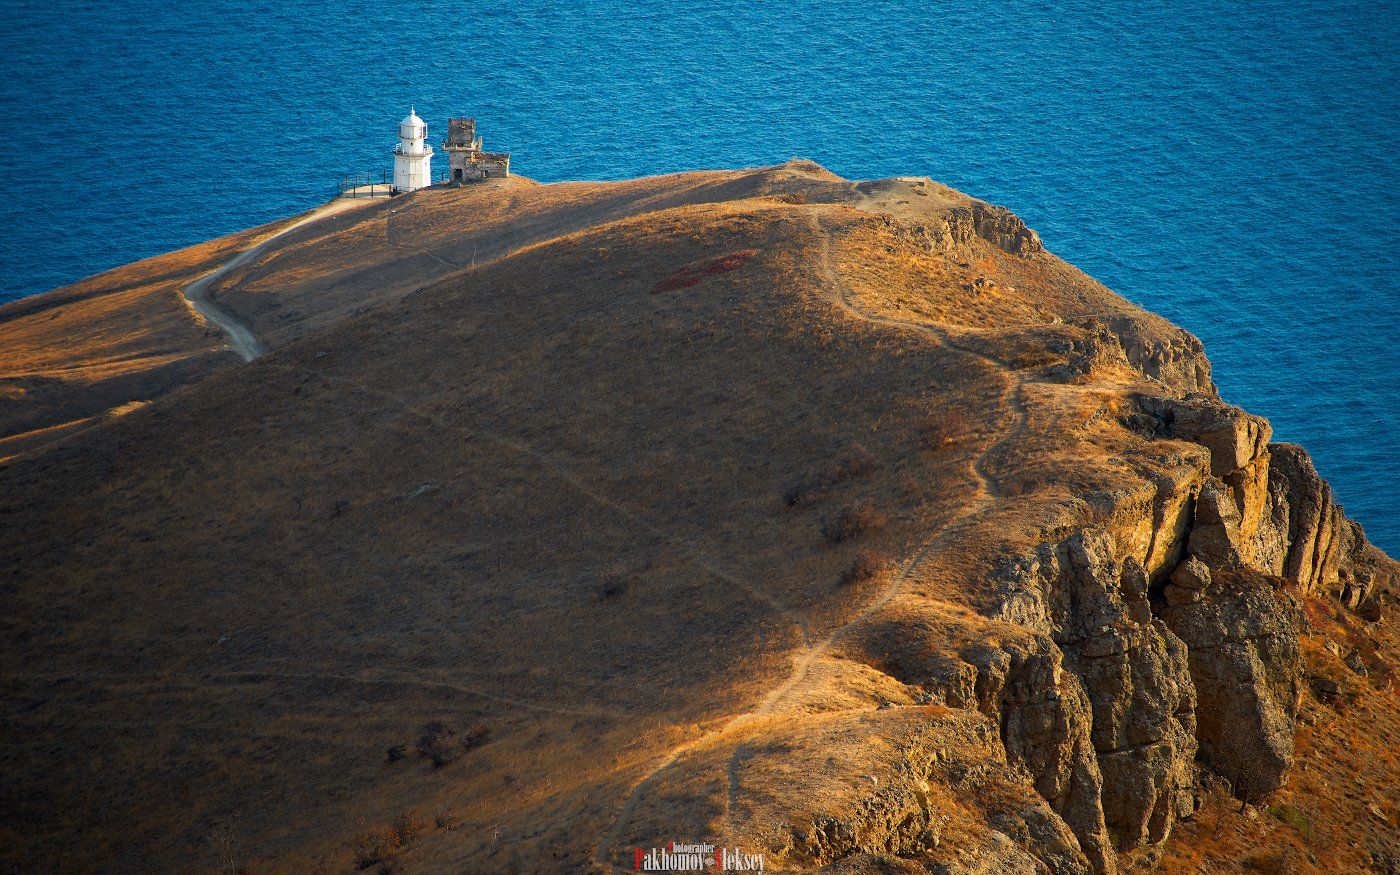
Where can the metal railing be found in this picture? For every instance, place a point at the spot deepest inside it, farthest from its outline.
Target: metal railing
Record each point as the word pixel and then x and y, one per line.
pixel 380 183
pixel 368 184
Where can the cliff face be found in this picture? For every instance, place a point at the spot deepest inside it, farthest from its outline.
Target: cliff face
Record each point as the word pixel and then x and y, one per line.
pixel 839 522
pixel 1180 620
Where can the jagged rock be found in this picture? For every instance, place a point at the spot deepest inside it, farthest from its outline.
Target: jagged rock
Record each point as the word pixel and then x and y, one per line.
pixel 1314 525
pixel 1133 670
pixel 1246 666
pixel 1044 716
pixel 937 769
pixel 1192 574
pixel 1215 530
pixel 1004 229
pixel 1177 360
pixel 1143 729
pixel 1234 438
pixel 1167 520
pixel 1249 486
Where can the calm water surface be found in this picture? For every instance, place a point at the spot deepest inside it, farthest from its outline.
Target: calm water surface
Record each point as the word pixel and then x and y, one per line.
pixel 1231 166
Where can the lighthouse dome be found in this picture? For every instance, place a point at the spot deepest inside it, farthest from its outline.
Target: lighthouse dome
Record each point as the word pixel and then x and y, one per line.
pixel 412 127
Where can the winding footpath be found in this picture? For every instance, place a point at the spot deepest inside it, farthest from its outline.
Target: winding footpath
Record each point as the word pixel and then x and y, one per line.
pixel 812 650
pixel 986 494
pixel 240 336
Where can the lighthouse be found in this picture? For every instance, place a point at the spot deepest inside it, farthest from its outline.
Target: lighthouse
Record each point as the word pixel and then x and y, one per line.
pixel 413 157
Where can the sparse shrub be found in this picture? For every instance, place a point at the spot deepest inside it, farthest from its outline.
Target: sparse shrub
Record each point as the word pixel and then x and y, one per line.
pixel 395 752
pixel 854 519
pixel 475 737
pixel 226 845
pixel 381 846
pixel 865 565
pixel 406 828
pixel 372 845
pixel 1034 358
pixel 446 819
pixel 435 743
pixel 1284 862
pixel 1293 816
pixel 793 493
pixel 942 431
pixel 856 462
pixel 612 582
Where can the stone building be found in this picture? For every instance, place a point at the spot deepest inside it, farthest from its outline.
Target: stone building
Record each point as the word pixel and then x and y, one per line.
pixel 465 157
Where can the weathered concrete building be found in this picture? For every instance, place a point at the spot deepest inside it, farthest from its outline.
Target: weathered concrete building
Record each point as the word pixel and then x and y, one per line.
pixel 465 157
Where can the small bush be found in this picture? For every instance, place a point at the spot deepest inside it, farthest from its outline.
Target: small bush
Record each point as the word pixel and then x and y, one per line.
pixel 435 743
pixel 446 819
pixel 865 565
pixel 856 462
pixel 611 583
pixel 940 432
pixel 475 737
pixel 406 828
pixel 1034 358
pixel 1284 862
pixel 230 857
pixel 1291 815
pixel 373 845
pixel 793 493
pixel 854 519
pixel 381 846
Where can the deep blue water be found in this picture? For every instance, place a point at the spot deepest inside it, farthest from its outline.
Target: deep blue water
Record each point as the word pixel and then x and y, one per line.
pixel 1232 166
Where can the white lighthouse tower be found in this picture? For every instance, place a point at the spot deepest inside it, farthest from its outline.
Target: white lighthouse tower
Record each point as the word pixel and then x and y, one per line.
pixel 413 157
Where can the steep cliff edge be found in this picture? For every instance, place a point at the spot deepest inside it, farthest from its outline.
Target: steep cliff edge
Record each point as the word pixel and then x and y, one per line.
pixel 838 522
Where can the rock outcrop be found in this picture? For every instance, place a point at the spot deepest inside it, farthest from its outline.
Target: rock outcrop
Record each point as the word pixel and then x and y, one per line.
pixel 916 783
pixel 1133 669
pixel 1242 639
pixel 1004 229
pixel 1046 718
pixel 1184 638
pixel 961 223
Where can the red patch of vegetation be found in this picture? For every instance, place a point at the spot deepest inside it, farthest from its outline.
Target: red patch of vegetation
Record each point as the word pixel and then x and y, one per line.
pixel 1319 616
pixel 690 275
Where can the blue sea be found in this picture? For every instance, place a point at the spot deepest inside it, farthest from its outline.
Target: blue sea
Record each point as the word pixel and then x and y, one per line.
pixel 1233 166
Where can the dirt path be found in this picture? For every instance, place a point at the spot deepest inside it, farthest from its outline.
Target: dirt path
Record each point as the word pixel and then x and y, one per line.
pixel 240 337
pixel 985 496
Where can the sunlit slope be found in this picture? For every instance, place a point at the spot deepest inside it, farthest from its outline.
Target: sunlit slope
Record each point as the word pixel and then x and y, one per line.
pixel 675 499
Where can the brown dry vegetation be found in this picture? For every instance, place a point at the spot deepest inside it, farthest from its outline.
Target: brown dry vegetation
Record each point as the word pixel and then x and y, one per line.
pixel 1339 811
pixel 491 476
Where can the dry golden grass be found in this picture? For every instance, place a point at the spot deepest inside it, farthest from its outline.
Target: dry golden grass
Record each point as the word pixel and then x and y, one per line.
pixel 75 356
pixel 520 475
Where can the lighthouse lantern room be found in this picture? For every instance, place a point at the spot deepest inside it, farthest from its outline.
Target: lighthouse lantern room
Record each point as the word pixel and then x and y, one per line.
pixel 413 157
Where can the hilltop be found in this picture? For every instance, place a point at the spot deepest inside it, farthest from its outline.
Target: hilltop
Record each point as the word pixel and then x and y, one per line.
pixel 837 521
